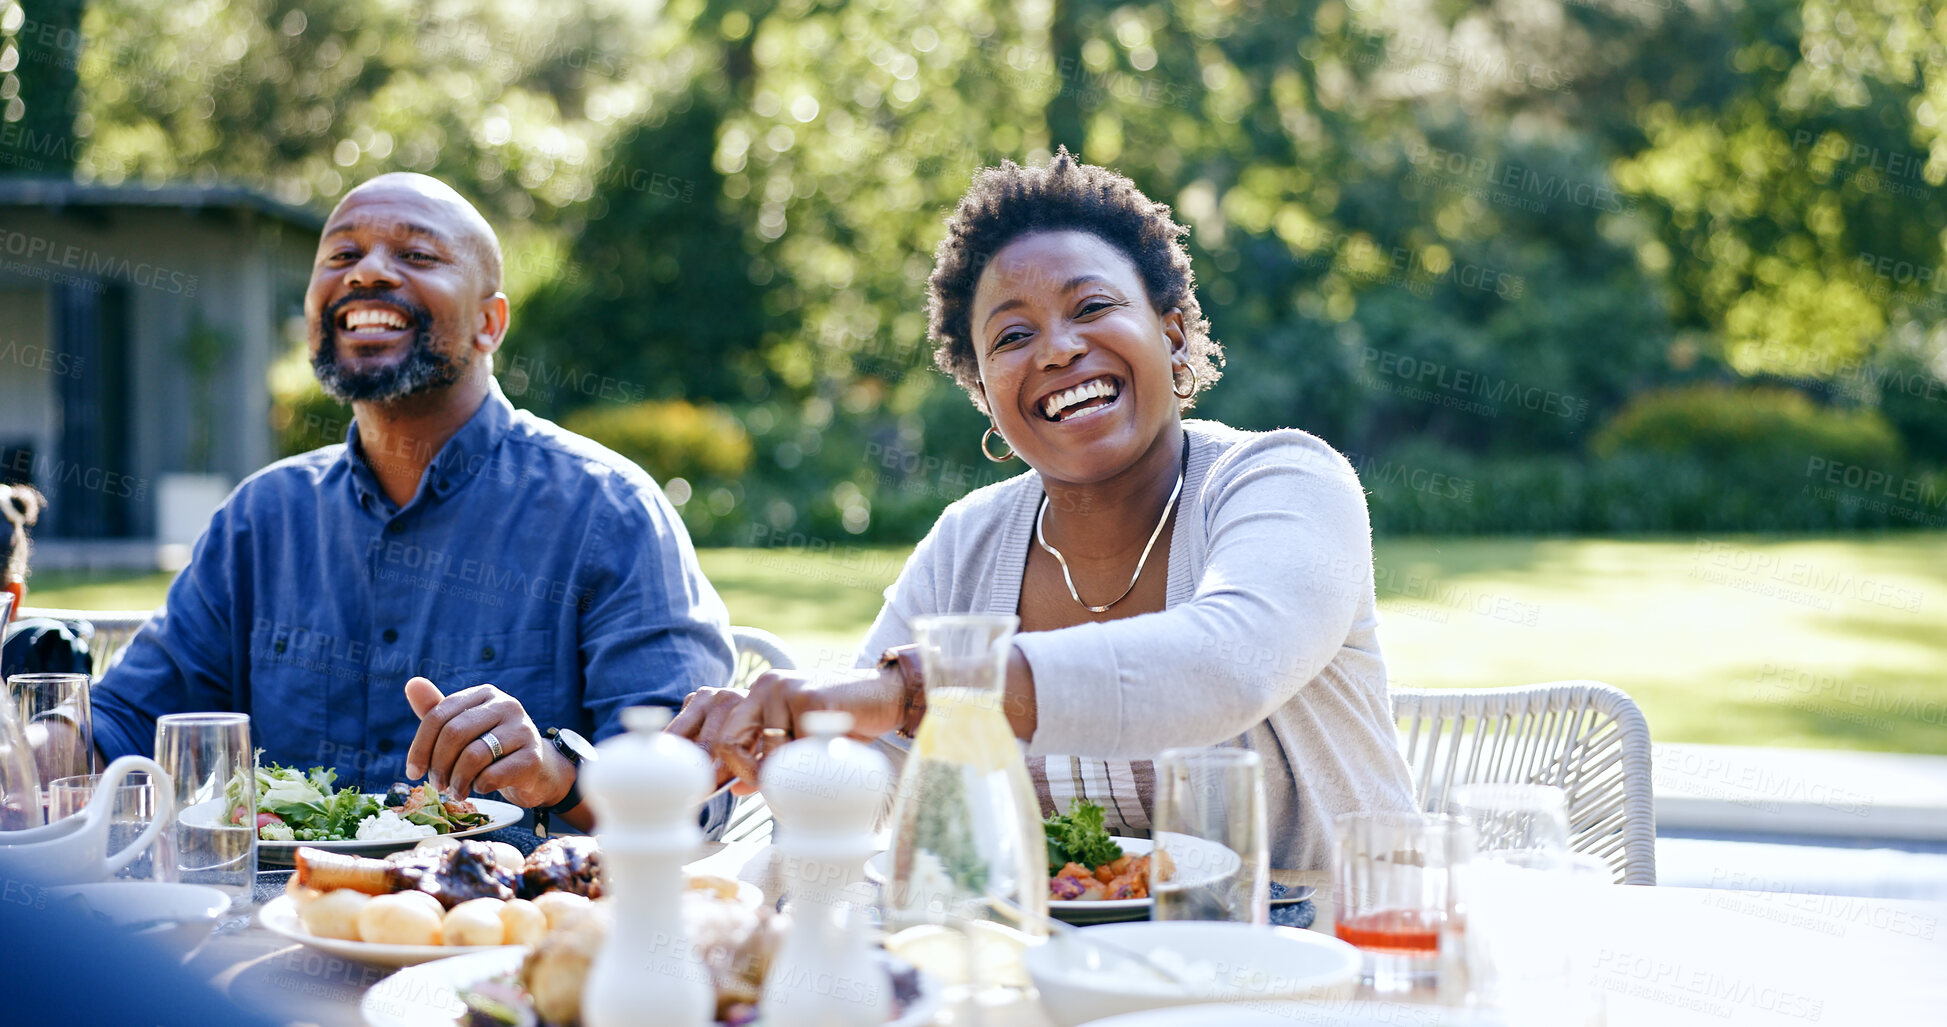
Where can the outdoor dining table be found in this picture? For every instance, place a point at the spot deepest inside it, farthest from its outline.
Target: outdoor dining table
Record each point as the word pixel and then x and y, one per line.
pixel 1660 957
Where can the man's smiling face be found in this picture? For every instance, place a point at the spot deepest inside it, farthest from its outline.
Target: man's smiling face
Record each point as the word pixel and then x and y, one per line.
pixel 396 292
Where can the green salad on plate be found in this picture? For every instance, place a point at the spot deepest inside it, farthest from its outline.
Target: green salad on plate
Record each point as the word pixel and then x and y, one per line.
pixel 305 806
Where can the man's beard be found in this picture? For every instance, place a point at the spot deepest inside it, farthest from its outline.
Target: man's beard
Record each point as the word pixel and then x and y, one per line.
pixel 423 369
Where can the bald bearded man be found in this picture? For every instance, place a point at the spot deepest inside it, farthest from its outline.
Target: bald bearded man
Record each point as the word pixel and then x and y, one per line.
pixel 460 590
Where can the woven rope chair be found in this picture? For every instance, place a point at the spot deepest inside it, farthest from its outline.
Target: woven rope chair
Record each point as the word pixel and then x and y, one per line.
pixel 113 630
pixel 1585 737
pixel 757 652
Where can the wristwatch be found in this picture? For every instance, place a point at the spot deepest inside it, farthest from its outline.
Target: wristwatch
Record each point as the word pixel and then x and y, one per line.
pixel 576 748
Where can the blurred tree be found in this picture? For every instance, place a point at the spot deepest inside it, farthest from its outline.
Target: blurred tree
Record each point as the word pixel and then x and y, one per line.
pixel 39 53
pixel 506 104
pixel 1795 184
pixel 1457 229
pixel 664 294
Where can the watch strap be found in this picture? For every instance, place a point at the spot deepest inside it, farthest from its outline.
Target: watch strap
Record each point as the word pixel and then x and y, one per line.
pixel 573 798
pixel 568 801
pixel 904 661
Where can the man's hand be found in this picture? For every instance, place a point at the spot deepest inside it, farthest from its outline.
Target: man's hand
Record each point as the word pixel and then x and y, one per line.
pixel 450 748
pixel 732 725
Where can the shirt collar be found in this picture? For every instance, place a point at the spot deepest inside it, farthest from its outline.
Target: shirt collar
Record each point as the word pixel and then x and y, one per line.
pixel 467 453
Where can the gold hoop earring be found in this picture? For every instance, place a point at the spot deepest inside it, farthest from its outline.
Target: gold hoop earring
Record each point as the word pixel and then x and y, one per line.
pixel 991 432
pixel 1193 386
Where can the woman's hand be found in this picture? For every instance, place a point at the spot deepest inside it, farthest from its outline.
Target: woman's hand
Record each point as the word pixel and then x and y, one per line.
pixel 702 719
pixel 732 725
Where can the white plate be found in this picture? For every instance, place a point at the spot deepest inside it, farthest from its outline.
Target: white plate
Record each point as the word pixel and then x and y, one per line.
pixel 180 916
pixel 499 815
pixel 1241 963
pixel 1105 911
pixel 279 916
pixel 430 993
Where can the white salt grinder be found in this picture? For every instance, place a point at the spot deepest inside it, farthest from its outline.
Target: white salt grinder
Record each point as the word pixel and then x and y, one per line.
pixel 646 789
pixel 825 791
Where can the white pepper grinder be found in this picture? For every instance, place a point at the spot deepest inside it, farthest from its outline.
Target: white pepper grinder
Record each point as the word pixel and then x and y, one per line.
pixel 645 789
pixel 826 791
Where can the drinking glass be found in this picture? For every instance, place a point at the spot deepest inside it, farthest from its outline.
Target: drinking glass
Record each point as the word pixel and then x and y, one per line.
pixel 1397 900
pixel 20 783
pixel 1519 894
pixel 1521 958
pixel 1524 824
pixel 214 838
pixel 51 701
pixel 1211 860
pixel 131 811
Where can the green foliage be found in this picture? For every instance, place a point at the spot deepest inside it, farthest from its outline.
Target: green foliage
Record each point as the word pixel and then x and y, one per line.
pixel 1912 395
pixel 1699 458
pixel 508 103
pixel 660 291
pixel 669 438
pixel 302 417
pixel 38 84
pixel 1729 427
pixel 1790 184
pixel 1426 235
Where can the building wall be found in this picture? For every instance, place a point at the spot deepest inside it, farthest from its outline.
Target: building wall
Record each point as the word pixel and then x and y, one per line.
pixel 29 365
pixel 237 272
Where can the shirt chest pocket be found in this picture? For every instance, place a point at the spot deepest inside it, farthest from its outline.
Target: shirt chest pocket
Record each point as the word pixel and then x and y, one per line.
pixel 518 662
pixel 278 650
pixel 296 667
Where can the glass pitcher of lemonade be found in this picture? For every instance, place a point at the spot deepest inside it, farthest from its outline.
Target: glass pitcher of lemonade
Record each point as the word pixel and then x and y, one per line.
pixel 967 827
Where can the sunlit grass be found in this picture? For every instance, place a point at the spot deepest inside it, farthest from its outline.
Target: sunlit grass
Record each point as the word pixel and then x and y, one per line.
pixel 1825 642
pixel 69 591
pixel 1820 642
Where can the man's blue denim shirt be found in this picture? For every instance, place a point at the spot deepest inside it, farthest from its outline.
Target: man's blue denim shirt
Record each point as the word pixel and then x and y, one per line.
pixel 530 558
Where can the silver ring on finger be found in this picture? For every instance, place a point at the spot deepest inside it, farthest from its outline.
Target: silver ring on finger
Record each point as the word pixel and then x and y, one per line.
pixel 493 744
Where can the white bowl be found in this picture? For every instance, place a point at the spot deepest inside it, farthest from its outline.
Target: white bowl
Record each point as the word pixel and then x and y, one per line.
pixel 1245 963
pixel 1358 1013
pixel 177 917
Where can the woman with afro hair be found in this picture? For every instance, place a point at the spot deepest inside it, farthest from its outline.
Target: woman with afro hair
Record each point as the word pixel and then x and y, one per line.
pixel 1179 582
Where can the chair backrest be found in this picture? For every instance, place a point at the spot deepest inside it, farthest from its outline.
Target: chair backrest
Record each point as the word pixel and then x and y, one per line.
pixel 113 629
pixel 757 651
pixel 1587 738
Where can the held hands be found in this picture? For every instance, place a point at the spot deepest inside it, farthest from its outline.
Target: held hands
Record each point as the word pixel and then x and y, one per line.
pixel 731 725
pixel 451 748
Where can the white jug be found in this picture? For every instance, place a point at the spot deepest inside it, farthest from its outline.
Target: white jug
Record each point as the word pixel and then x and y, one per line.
pixel 74 850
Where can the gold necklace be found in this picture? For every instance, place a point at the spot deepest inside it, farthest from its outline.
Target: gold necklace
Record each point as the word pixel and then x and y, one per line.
pixel 1042 539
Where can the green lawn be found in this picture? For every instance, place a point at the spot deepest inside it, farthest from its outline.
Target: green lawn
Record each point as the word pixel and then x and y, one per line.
pixel 1832 642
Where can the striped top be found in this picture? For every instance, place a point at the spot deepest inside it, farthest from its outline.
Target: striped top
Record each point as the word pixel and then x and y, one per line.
pixel 1125 789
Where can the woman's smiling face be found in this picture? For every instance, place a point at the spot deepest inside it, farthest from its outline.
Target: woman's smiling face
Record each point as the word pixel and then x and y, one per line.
pixel 1075 363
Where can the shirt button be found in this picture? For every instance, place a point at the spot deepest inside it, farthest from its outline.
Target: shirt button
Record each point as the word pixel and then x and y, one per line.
pixel 487 653
pixel 385 745
pixel 280 646
pixel 394 527
pixel 390 636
